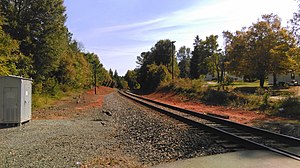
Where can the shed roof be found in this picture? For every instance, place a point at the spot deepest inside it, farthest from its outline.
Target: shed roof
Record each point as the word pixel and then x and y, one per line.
pixel 17 77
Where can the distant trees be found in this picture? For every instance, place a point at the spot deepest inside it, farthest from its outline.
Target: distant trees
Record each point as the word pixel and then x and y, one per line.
pixel 131 78
pixel 260 50
pixel 114 80
pixel 263 48
pixel 102 75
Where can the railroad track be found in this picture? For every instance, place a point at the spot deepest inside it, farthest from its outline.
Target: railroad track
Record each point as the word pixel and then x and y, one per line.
pixel 246 136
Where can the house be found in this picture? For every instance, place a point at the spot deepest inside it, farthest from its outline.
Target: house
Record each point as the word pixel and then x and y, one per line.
pixel 284 78
pixel 210 77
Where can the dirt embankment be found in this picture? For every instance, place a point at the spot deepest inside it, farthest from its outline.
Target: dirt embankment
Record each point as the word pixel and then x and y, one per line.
pixel 236 115
pixel 73 107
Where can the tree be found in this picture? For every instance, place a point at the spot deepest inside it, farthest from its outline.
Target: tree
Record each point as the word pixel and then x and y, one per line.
pixel 184 58
pixel 216 65
pixel 145 58
pixel 117 79
pixel 296 31
pixel 12 61
pixel 195 60
pixel 152 76
pixel 111 82
pixel 260 50
pixel 8 47
pixel 39 27
pixel 162 53
pixel 102 74
pixel 131 78
pixel 296 23
pixel 43 49
pixel 158 60
pixel 203 49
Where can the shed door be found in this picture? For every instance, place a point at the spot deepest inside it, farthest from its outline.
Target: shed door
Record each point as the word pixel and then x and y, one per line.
pixel 27 101
pixel 10 98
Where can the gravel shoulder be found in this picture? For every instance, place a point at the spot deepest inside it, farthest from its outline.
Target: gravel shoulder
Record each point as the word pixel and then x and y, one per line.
pixel 56 143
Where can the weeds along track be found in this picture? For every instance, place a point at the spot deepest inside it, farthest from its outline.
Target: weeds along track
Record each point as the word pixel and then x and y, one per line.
pixel 240 136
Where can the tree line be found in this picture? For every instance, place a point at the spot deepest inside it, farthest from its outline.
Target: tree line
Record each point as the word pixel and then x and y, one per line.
pixel 35 43
pixel 254 52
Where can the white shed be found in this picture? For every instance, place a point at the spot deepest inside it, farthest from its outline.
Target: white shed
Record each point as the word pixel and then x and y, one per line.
pixel 15 100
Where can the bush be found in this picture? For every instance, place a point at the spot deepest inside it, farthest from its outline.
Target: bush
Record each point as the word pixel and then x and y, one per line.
pixel 220 97
pixel 290 107
pixel 185 86
pixel 154 76
pixel 228 80
pixel 51 86
pixel 198 89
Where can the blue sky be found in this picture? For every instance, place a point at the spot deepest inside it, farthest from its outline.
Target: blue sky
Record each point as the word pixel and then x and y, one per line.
pixel 119 30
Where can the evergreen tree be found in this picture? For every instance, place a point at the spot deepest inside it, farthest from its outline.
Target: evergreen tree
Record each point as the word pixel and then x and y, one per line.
pixel 203 49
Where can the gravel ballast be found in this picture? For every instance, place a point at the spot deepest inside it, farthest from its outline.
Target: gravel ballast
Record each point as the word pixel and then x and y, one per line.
pixel 153 138
pixel 122 133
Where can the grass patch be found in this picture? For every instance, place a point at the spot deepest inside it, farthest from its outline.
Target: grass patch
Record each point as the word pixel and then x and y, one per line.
pixel 45 100
pixel 238 84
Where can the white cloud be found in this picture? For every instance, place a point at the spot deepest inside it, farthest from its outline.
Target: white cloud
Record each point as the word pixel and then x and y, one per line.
pixel 126 26
pixel 205 19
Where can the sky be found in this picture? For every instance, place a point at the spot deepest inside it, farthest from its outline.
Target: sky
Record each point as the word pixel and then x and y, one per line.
pixel 119 30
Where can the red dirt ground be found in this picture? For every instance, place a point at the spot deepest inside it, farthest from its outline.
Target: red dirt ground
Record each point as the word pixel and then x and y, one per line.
pixel 236 115
pixel 78 105
pixel 72 107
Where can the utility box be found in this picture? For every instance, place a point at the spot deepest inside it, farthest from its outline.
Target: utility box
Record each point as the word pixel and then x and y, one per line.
pixel 15 100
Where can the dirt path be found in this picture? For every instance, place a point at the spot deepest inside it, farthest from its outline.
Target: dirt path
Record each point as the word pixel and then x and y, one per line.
pixel 73 107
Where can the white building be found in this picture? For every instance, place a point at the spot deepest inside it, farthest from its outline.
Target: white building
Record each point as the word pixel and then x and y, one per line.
pixel 284 78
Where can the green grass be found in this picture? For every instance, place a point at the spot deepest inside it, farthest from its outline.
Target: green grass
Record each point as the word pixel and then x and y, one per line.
pixel 45 100
pixel 238 84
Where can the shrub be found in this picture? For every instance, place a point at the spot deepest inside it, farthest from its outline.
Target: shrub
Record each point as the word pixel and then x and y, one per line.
pixel 154 76
pixel 290 107
pixel 51 86
pixel 220 97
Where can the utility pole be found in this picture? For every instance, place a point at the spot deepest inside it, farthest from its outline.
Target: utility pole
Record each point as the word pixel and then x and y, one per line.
pixel 95 78
pixel 172 57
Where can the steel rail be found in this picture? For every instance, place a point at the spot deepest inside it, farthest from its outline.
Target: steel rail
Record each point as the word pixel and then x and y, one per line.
pixel 234 138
